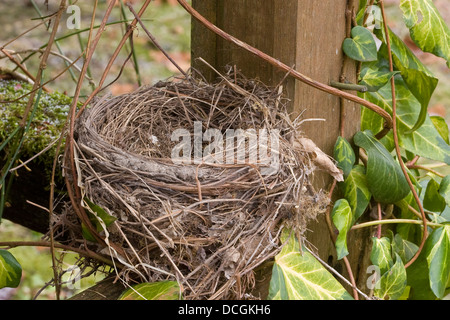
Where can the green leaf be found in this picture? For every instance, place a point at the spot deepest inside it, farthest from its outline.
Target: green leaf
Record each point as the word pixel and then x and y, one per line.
pixel 381 254
pixel 408 231
pixel 356 191
pixel 99 218
pixel 163 290
pixel 404 248
pixel 418 79
pixel 444 189
pixel 361 46
pixel 361 11
pixel 392 283
pixel 427 28
pixel 385 178
pixel 418 279
pixel 299 276
pixel 433 200
pixel 441 126
pixel 342 218
pixel 437 251
pixel 98 213
pixel 375 79
pixel 425 141
pixel 10 270
pixel 344 155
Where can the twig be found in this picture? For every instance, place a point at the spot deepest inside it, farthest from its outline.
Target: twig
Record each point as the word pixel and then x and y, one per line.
pixel 391 221
pixel 315 84
pixel 379 218
pixel 397 148
pixel 17 63
pixel 34 156
pixel 70 63
pixel 338 274
pixel 89 254
pixel 43 62
pixel 418 166
pixel 153 39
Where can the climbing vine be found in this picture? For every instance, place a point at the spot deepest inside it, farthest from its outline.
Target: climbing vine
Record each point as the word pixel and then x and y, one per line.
pixel 400 172
pixel 412 257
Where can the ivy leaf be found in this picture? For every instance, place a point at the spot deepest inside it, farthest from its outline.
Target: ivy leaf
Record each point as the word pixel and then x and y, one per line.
pixel 163 290
pixel 342 218
pixel 437 251
pixel 408 231
pixel 425 141
pixel 100 214
pixel 418 279
pixel 361 46
pixel 344 155
pixel 375 79
pixel 441 126
pixel 356 191
pixel 418 79
pixel 392 283
pixel 427 28
pixel 99 218
pixel 432 199
pixel 299 276
pixel 404 248
pixel 444 189
pixel 381 254
pixel 10 270
pixel 385 178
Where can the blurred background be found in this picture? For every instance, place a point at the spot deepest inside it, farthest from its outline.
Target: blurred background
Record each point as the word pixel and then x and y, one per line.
pixel 170 25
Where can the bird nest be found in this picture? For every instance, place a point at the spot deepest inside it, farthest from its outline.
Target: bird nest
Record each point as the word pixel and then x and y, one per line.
pixel 199 179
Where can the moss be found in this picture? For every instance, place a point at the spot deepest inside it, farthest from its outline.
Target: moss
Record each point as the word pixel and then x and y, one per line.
pixel 45 127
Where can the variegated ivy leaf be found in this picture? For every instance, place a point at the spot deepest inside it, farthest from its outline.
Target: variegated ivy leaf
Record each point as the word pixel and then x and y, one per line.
pixel 375 79
pixel 437 251
pixel 441 126
pixel 162 290
pixel 356 191
pixel 342 217
pixel 361 46
pixel 427 28
pixel 418 79
pixel 392 283
pixel 425 141
pixel 404 248
pixel 381 254
pixel 10 270
pixel 299 276
pixel 444 189
pixel 344 155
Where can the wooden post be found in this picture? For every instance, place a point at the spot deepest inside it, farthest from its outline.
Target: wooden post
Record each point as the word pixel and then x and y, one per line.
pixel 308 35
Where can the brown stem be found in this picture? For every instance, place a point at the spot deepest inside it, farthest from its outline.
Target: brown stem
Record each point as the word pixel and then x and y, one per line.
pixel 418 166
pixel 153 39
pixel 397 148
pixel 17 63
pixel 89 254
pixel 380 217
pixel 287 69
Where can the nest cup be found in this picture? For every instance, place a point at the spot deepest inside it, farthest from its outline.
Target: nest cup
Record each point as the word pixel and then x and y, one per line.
pixel 190 201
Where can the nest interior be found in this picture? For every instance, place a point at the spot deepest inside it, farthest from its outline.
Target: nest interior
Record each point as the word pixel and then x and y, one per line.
pixel 205 224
